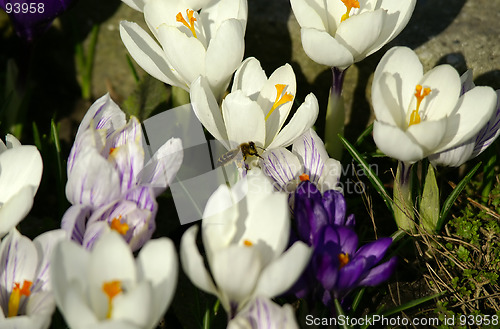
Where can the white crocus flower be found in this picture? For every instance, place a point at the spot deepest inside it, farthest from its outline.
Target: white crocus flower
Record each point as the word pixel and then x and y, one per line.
pixel 26 300
pixel 107 288
pixel 458 155
pixel 245 233
pixel 20 174
pixel 263 313
pixel 307 161
pixel 256 109
pixel 338 33
pixel 421 114
pixel 109 185
pixel 195 38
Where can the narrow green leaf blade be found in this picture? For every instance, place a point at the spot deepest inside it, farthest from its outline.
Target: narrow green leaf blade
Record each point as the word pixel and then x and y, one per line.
pixel 453 196
pixel 411 304
pixel 376 182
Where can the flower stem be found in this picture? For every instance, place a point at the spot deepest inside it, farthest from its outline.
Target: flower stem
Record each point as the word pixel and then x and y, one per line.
pixel 335 115
pixel 403 202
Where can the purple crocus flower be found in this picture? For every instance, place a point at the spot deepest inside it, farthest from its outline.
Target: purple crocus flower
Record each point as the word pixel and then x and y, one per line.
pixel 337 266
pixel 31 18
pixel 109 186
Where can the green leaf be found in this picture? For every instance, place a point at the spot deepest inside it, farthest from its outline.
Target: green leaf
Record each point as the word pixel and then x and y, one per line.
pixel 411 304
pixel 340 311
pixel 453 196
pixel 334 124
pixel 149 96
pixel 403 201
pixel 132 68
pixel 363 135
pixel 376 182
pixel 357 299
pixel 429 204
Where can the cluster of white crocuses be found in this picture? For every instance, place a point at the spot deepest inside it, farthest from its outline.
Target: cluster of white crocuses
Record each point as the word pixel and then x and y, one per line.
pixel 109 186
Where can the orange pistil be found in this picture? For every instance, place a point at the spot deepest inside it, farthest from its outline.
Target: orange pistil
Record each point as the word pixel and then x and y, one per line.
pixel 343 260
pixel 247 243
pixel 304 177
pixel 15 296
pixel 280 98
pixel 191 19
pixel 111 150
pixel 420 94
pixel 349 5
pixel 111 289
pixel 117 225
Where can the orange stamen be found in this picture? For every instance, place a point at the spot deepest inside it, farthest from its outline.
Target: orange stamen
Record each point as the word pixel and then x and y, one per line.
pixel 111 150
pixel 118 226
pixel 111 289
pixel 247 243
pixel 191 19
pixel 420 94
pixel 304 177
pixel 280 98
pixel 349 5
pixel 15 297
pixel 343 260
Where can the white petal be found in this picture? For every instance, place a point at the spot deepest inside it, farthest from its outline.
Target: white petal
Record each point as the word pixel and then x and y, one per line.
pixel 157 263
pixel 282 273
pixel 473 110
pixel 283 75
pixel 11 141
pixel 135 4
pixel 404 65
pixel 359 32
pixel 15 209
pixel 148 54
pixel 224 55
pixel 301 121
pixel 307 16
pixel 104 114
pixel 324 49
pixel 207 110
pixel 75 308
pixel 428 134
pixel 331 175
pixel 312 151
pixel 387 100
pixel 281 165
pixel 244 119
pixel 45 244
pixel 445 85
pixel 185 53
pixel 236 271
pixel 135 306
pixel 193 264
pixel 19 167
pixel 395 143
pixel 250 78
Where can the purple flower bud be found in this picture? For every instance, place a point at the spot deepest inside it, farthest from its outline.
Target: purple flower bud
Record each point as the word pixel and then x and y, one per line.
pixel 32 18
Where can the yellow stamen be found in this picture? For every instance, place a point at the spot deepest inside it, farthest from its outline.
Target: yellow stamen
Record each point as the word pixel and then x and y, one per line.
pixel 111 289
pixel 349 5
pixel 111 150
pixel 15 296
pixel 304 177
pixel 247 243
pixel 280 99
pixel 343 260
pixel 118 226
pixel 191 19
pixel 420 94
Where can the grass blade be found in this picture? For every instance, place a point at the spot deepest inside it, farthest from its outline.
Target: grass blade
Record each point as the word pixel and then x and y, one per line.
pixel 377 184
pixel 411 304
pixel 453 196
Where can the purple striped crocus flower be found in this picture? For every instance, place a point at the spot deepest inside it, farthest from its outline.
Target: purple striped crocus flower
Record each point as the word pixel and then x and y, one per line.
pixel 31 18
pixel 337 266
pixel 307 161
pixel 26 300
pixel 109 186
pixel 470 149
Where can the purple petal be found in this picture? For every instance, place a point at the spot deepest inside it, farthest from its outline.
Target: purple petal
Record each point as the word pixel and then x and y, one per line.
pixel 335 205
pixel 281 165
pixel 349 276
pixel 312 151
pixel 490 132
pixel 345 237
pixel 74 221
pixel 375 250
pixel 380 273
pixel 310 215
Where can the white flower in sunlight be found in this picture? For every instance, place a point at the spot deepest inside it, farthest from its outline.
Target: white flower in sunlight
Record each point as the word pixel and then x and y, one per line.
pixel 307 161
pixel 418 115
pixel 195 38
pixel 339 33
pixel 263 313
pixel 26 300
pixel 256 109
pixel 458 155
pixel 109 185
pixel 245 232
pixel 20 174
pixel 107 288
